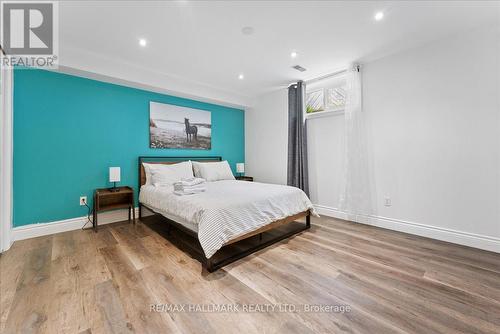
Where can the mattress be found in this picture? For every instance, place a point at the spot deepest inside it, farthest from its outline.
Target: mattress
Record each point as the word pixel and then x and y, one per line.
pixel 187 224
pixel 227 209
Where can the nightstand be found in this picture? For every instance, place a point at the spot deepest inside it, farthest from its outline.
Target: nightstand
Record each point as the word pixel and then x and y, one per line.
pixel 105 200
pixel 244 178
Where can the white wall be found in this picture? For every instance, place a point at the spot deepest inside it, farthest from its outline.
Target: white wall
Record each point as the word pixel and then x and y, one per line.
pixel 434 129
pixel 435 126
pixel 266 131
pixel 325 144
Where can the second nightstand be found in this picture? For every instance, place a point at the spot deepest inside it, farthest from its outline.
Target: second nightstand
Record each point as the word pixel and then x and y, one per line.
pixel 244 178
pixel 105 200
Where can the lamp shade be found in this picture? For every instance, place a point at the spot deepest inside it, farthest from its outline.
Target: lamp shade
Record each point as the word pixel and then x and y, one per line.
pixel 240 167
pixel 114 174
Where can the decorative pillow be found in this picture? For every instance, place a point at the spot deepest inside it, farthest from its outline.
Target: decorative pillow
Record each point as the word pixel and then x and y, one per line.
pixel 169 174
pixel 213 171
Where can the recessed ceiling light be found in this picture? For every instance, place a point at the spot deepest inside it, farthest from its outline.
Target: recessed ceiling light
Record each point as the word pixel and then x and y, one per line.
pixel 143 42
pixel 293 54
pixel 247 30
pixel 379 16
pixel 241 77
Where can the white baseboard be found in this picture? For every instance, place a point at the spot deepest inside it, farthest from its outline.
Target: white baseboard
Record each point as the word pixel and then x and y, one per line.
pixel 38 230
pixel 458 237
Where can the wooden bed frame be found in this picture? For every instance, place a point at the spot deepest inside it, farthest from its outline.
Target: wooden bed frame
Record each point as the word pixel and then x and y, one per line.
pixel 211 264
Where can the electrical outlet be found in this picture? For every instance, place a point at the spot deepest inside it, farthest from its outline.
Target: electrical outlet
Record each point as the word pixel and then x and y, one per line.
pixel 83 200
pixel 387 201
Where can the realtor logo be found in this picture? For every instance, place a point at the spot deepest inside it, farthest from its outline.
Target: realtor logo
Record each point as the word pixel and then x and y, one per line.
pixel 29 33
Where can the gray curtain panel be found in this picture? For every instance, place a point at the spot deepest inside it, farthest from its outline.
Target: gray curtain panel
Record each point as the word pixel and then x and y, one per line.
pixel 297 175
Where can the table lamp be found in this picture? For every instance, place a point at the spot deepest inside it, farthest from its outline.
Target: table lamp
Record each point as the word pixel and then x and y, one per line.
pixel 240 168
pixel 114 176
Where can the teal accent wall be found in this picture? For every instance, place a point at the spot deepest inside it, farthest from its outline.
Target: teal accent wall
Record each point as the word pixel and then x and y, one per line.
pixel 68 130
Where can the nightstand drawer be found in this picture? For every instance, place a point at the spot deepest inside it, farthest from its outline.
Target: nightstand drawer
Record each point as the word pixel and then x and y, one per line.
pixel 105 200
pixel 115 201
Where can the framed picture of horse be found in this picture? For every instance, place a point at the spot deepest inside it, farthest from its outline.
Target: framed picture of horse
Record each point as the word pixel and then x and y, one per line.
pixel 172 126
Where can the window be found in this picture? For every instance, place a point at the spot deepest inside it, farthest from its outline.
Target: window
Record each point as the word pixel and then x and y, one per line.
pixel 335 98
pixel 315 101
pixel 327 95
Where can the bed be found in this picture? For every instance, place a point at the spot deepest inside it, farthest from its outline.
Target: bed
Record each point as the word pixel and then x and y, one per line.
pixel 229 212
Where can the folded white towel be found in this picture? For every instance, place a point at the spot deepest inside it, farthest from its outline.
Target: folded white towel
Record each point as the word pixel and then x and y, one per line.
pixel 189 191
pixel 189 186
pixel 192 181
pixel 181 187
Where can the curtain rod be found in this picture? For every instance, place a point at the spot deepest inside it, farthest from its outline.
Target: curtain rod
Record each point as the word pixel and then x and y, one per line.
pixel 326 76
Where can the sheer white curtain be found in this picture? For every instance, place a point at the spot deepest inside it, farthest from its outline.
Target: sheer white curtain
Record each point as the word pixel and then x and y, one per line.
pixel 356 199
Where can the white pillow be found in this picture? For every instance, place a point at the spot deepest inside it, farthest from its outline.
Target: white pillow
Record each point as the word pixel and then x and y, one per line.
pixel 147 173
pixel 213 171
pixel 169 174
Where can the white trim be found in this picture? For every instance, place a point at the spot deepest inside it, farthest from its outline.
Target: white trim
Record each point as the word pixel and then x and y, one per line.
pixel 449 235
pixel 330 212
pixel 89 64
pixel 326 76
pixel 458 237
pixel 6 134
pixel 325 113
pixel 38 230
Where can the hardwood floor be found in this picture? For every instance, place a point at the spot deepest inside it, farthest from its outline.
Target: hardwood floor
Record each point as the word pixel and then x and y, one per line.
pixel 83 282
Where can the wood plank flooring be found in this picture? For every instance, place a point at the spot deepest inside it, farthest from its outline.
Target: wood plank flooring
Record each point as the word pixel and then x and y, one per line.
pixel 83 282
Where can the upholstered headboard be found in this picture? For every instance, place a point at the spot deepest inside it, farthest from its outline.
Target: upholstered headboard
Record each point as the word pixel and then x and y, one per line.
pixel 168 161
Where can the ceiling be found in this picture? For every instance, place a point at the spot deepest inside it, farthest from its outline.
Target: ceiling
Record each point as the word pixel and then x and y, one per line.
pixel 200 43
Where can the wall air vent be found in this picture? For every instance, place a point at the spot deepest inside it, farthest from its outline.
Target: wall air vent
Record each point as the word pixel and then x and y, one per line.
pixel 299 68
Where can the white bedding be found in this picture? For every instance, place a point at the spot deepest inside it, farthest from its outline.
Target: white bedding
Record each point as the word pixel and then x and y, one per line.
pixel 227 209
